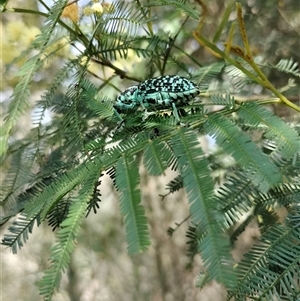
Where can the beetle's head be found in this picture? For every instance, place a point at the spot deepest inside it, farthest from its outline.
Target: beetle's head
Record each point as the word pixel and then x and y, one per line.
pixel 128 98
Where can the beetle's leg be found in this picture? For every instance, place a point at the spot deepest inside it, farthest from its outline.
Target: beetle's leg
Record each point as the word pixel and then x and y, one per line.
pixel 117 114
pixel 175 112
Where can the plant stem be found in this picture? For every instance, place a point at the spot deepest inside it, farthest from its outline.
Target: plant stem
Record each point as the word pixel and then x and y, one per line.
pixel 260 79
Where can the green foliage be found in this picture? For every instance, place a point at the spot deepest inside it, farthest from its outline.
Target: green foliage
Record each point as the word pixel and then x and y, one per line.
pixel 127 180
pixel 288 66
pixel 257 167
pixel 66 235
pixel 19 103
pixel 270 265
pixel 156 157
pixel 55 170
pixel 286 138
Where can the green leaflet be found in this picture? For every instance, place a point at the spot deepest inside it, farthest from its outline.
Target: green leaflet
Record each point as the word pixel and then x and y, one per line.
pixel 99 104
pixel 178 4
pixel 44 201
pixel 60 254
pixel 235 197
pixel 156 157
pixel 288 66
pixel 19 103
pixel 48 97
pixel 194 171
pixel 278 247
pixel 136 227
pixel 119 29
pixel 193 166
pixel 62 185
pixel 286 138
pixel 206 74
pixel 226 100
pixel 19 231
pixel 260 170
pixel 67 234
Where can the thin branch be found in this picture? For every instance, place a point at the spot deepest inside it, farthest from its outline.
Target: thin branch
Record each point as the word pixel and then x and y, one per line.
pixel 170 46
pixel 118 71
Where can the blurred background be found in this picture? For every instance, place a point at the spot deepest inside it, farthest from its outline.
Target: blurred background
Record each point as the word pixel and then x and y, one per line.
pixel 101 268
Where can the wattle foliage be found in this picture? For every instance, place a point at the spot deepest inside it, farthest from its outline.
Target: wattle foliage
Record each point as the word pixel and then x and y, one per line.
pixel 86 139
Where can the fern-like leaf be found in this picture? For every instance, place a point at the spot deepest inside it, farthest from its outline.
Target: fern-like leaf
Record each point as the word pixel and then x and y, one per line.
pixel 199 186
pixel 46 98
pixel 181 5
pixel 127 181
pixel 19 103
pixel 279 246
pixel 59 187
pixel 285 137
pixel 175 184
pixel 288 66
pixel 19 232
pixel 60 254
pixel 59 213
pixel 237 77
pixel 156 157
pixel 206 74
pixel 66 236
pixel 118 29
pixel 227 100
pixel 262 172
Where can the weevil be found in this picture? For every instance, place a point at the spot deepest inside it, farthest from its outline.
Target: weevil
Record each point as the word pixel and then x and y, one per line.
pixel 158 93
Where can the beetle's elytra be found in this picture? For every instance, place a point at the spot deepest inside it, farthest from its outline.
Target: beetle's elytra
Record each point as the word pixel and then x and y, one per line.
pixel 158 92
